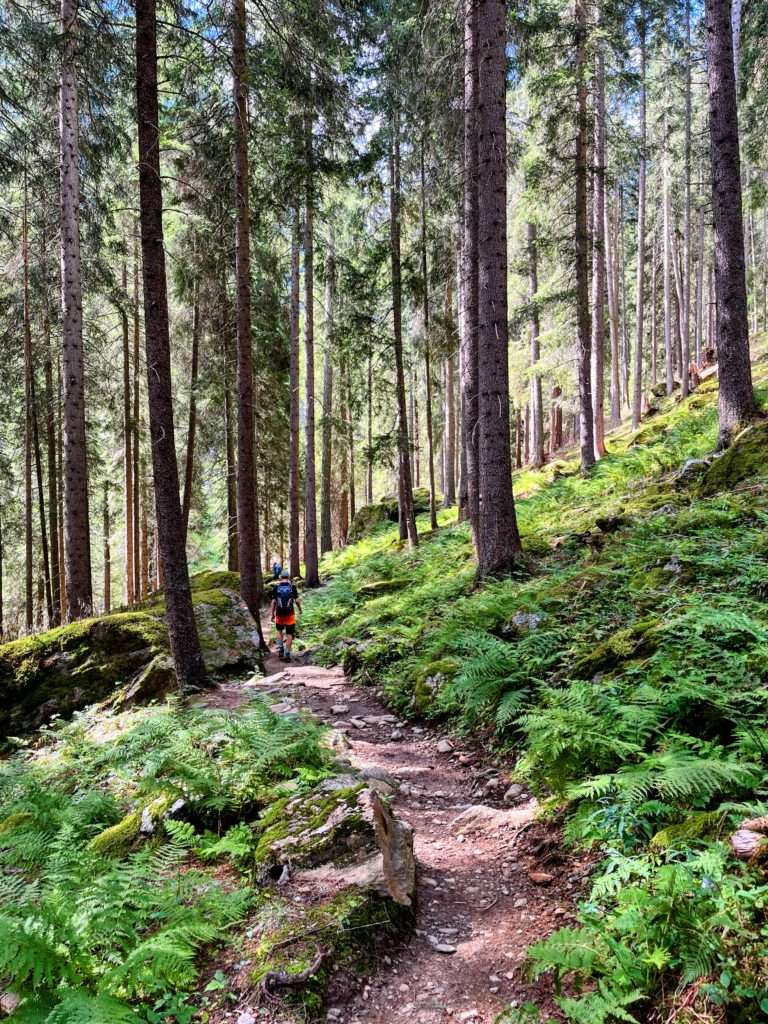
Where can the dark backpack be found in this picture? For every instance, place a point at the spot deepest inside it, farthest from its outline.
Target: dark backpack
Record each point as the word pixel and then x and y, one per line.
pixel 284 598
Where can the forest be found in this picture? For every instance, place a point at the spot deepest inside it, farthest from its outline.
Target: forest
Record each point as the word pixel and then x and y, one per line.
pixel 383 504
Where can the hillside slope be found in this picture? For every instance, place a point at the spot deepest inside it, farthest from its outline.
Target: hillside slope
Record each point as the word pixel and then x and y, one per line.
pixel 625 669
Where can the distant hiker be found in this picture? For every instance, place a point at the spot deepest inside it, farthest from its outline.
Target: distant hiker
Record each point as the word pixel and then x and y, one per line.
pixel 276 570
pixel 283 614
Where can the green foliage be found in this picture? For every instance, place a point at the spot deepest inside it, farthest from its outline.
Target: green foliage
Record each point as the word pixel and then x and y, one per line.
pixel 626 668
pixel 106 932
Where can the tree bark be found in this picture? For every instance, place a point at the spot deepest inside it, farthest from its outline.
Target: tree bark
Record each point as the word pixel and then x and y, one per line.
pixel 469 494
pixel 140 568
pixel 667 270
pixel 127 450
pixel 294 557
pixel 583 327
pixel 182 630
pixel 28 423
pixel 613 318
pixel 369 456
pixel 189 462
pixel 47 589
pixel 405 483
pixel 107 552
pixel 499 540
pixel 229 442
pixel 685 313
pixel 535 400
pixel 326 539
pixel 249 558
pixel 427 349
pixel 637 379
pixel 699 281
pixel 77 541
pixel 449 488
pixel 310 482
pixel 51 405
pixel 598 261
pixel 737 400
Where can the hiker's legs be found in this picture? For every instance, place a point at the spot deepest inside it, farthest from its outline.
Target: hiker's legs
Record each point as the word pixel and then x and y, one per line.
pixel 280 641
pixel 289 633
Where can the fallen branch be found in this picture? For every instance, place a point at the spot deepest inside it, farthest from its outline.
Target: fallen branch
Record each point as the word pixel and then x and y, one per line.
pixel 284 979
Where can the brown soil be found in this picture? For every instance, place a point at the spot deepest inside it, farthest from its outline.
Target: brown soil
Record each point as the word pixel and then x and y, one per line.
pixel 486 890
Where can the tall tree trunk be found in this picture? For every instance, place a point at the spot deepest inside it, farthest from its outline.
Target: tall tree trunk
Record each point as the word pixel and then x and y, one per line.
pixel 535 401
pixel 48 590
pixel 28 424
pixel 427 349
pixel 60 489
pixel 598 263
pixel 351 444
pixel 499 546
pixel 469 494
pixel 584 339
pixel 182 630
pixel 294 557
pixel 369 454
pixel 249 558
pixel 140 569
pixel 144 535
pixel 405 488
pixel 449 487
pixel 326 539
pixel 189 462
pixel 654 336
pixel 685 317
pixel 310 481
pixel 77 540
pixel 621 301
pixel 229 441
pixel 699 280
pixel 2 603
pixel 667 269
pixel 127 449
pixel 107 552
pixel 637 381
pixel 613 320
pixel 51 405
pixel 737 400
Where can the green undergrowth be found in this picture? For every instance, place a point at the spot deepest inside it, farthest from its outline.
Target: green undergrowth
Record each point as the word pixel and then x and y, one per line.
pixel 96 929
pixel 624 668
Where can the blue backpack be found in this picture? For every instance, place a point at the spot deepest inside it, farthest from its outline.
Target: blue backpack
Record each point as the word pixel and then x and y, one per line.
pixel 284 597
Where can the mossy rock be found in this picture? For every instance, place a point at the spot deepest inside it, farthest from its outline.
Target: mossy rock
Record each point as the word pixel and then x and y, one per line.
pixel 377 587
pixel 745 459
pixel 67 668
pixel 327 824
pixel 430 679
pixel 369 517
pixel 697 826
pixel 339 934
pixel 624 645
pixel 119 838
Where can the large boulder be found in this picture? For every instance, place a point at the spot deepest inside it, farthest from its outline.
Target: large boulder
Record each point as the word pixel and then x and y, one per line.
pixel 385 511
pixel 124 654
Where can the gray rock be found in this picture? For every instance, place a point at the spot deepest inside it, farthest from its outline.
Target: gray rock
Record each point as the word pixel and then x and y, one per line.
pixel 444 746
pixel 526 620
pixel 514 792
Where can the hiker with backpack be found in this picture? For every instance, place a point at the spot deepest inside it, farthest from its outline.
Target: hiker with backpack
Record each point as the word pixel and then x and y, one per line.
pixel 284 597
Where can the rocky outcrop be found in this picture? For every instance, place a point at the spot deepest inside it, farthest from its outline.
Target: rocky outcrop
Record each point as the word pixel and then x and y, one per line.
pixel 124 656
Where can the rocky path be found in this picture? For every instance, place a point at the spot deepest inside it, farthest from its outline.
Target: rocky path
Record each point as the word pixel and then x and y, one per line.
pixel 491 880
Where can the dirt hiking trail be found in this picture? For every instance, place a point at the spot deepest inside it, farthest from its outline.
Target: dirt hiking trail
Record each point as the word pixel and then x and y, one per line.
pixel 490 879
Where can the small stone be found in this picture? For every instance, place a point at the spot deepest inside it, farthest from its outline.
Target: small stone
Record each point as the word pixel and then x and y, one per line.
pixel 340 709
pixel 514 792
pixel 246 1017
pixel 540 877
pixel 396 735
pixel 359 723
pixel 444 947
pixel 444 746
pixel 430 881
pixel 521 901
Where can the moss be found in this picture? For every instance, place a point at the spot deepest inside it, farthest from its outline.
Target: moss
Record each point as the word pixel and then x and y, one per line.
pixel 623 645
pixel 13 821
pixel 700 825
pixel 312 829
pixel 745 459
pixel 348 928
pixel 382 586
pixel 66 668
pixel 115 840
